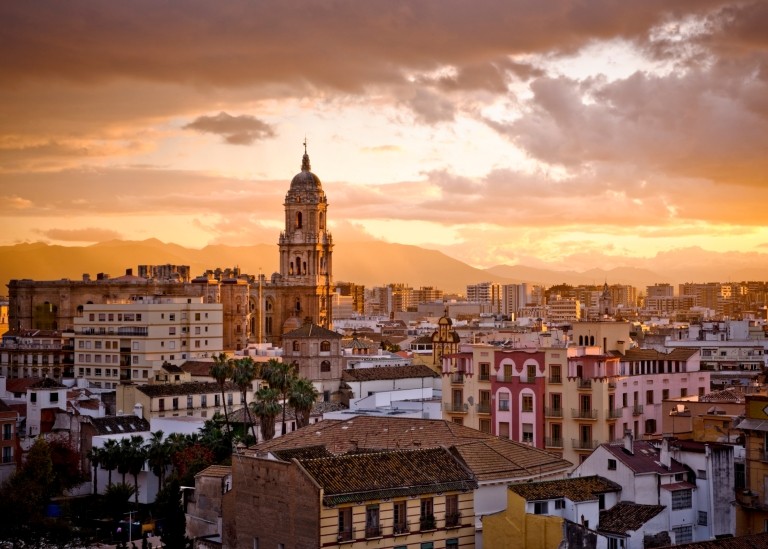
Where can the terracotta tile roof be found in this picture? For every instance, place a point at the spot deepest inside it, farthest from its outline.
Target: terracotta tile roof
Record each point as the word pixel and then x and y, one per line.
pixel 627 517
pixel 732 394
pixel 574 489
pixel 309 452
pixel 378 373
pixel 358 477
pixel 219 471
pixel 679 353
pixel 20 384
pixel 198 368
pixel 311 330
pixel 753 541
pixel 187 388
pixel 645 458
pixel 488 457
pixel 46 383
pixel 110 425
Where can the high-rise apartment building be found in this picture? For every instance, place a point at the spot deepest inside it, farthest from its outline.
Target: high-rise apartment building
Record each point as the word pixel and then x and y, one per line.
pixel 486 292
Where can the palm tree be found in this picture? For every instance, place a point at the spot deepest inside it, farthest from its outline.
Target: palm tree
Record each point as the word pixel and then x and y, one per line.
pixel 94 456
pixel 280 375
pixel 302 396
pixel 124 457
pixel 110 457
pixel 267 407
pixel 221 371
pixel 243 374
pixel 136 458
pixel 158 456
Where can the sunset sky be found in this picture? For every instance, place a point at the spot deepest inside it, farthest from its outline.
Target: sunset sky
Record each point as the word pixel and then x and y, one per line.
pixel 554 133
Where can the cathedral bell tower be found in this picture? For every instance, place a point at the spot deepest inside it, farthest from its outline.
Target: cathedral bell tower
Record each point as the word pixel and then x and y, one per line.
pixel 306 249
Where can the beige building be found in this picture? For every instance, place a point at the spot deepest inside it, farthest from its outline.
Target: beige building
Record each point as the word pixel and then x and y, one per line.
pixel 316 352
pixel 194 398
pixel 130 341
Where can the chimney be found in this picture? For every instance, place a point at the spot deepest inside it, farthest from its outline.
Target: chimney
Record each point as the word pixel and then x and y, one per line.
pixel 665 456
pixel 628 446
pixel 128 272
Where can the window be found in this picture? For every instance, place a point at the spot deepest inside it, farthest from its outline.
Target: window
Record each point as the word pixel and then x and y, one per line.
pixel 229 399
pixel 681 499
pixel 427 545
pixel 452 543
pixel 527 403
pixel 649 397
pixel 54 397
pixel 427 516
pixel 372 528
pixel 665 394
pixel 197 316
pixel 189 401
pixel 702 518
pixel 701 473
pixel 611 464
pixel 175 403
pixel 7 454
pixel 452 515
pixel 7 431
pixel 325 366
pixel 216 401
pixel 203 401
pixel 531 377
pixel 540 507
pixel 345 524
pixel 325 347
pixel 559 504
pixel 485 369
pixel 601 502
pixel 401 517
pixel 295 346
pixel 161 404
pixel 172 331
pixel 554 374
pixel 485 426
pixel 527 433
pixel 504 402
pixel 504 429
pixel 683 392
pixel 683 534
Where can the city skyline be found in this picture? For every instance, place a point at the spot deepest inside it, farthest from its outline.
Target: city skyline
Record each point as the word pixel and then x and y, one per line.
pixel 557 136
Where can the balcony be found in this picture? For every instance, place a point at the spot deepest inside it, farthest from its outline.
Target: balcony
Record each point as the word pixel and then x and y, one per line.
pixel 553 412
pixel 579 444
pixel 584 384
pixel 553 442
pixel 613 413
pixel 427 522
pixel 457 379
pixel 611 384
pixel 452 520
pixel 483 407
pixel 400 528
pixel 556 379
pixel 583 414
pixel 637 410
pixel 454 407
pixel 484 377
pixel 372 531
pixel 348 534
pixel 507 378
pixel 528 380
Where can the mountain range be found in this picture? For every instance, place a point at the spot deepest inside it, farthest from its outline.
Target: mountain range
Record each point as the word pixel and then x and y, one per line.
pixel 371 263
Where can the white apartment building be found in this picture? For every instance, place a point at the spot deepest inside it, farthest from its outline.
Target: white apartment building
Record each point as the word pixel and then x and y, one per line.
pixel 130 340
pixel 486 292
pixel 564 310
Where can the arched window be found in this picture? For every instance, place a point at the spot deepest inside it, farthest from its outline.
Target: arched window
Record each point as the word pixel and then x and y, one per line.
pixel 325 346
pixel 298 220
pixel 322 221
pixel 298 265
pixel 325 366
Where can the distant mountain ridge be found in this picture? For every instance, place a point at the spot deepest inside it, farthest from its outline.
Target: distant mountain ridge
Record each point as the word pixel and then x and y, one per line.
pixel 371 263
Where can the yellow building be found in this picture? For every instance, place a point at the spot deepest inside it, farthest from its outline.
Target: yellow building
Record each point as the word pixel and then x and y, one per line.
pixel 383 499
pixel 539 514
pixel 752 501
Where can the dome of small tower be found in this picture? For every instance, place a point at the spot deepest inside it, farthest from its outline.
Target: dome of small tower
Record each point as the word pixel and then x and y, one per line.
pixel 305 180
